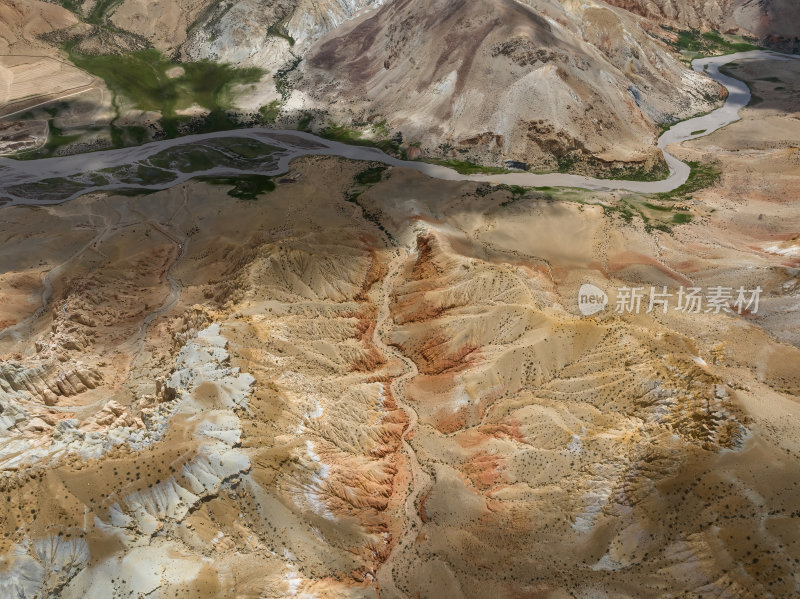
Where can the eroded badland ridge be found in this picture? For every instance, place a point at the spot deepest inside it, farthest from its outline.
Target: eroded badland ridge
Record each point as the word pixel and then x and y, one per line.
pixel 366 383
pixel 353 380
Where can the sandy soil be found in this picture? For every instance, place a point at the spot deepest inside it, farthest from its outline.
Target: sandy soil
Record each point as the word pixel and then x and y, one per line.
pixel 24 77
pixel 348 389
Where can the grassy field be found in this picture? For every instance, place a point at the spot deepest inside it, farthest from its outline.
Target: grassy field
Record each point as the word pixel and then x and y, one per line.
pixel 139 80
pixel 140 174
pixel 664 211
pixel 269 113
pixel 279 30
pixel 565 165
pixel 245 148
pixel 224 152
pixel 372 175
pixel 99 11
pixel 693 44
pixel 658 212
pixel 51 190
pixel 701 176
pixel 355 137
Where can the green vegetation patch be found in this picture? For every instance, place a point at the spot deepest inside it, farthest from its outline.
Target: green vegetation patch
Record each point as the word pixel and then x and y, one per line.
pixel 681 218
pixel 657 172
pixel 73 6
pixel 246 148
pixel 186 159
pixel 269 113
pixel 141 78
pixel 363 180
pixel 659 211
pixel 140 174
pixel 624 210
pixel 371 176
pixel 132 192
pixel 279 30
pixel 701 176
pixel 660 217
pixel 282 77
pixel 128 136
pixel 226 151
pixel 99 11
pixel 56 138
pixel 516 193
pixel 304 122
pixel 53 189
pixel 709 43
pixel 469 168
pixel 657 207
pixel 633 172
pixel 244 187
pixel 349 135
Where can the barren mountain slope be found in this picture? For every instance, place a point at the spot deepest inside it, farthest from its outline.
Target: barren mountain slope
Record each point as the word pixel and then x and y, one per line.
pixel 773 21
pixel 265 33
pixel 29 66
pixel 572 86
pixel 34 71
pixel 163 23
pixel 22 22
pixel 549 85
pixel 252 32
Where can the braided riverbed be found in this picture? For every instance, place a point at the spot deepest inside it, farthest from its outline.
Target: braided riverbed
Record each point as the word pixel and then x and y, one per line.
pixel 259 151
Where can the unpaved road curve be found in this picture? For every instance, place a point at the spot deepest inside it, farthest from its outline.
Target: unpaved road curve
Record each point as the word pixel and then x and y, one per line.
pixel 298 143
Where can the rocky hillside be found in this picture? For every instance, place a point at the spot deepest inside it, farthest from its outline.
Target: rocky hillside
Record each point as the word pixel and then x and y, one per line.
pixel 542 84
pixel 773 22
pixel 551 85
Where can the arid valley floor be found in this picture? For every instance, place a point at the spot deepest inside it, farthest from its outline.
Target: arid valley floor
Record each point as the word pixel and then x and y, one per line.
pixel 370 383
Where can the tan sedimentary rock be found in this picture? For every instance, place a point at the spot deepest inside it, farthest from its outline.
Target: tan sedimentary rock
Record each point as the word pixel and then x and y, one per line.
pixel 388 388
